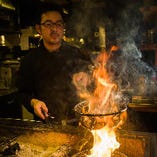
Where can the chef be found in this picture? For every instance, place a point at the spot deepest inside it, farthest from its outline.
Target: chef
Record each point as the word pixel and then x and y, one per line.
pixel 45 75
pixel 46 81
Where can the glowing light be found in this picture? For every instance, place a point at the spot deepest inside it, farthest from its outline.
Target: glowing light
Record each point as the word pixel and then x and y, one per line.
pixel 82 41
pixel 2 39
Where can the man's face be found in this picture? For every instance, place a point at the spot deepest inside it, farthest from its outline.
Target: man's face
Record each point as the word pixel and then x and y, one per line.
pixel 51 27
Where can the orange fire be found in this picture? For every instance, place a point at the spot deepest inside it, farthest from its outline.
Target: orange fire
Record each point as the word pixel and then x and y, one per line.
pixel 104 139
pixel 101 101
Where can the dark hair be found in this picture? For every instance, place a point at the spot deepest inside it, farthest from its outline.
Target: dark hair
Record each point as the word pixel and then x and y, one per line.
pixel 45 7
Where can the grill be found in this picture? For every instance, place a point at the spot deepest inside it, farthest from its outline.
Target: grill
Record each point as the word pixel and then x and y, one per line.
pixel 132 143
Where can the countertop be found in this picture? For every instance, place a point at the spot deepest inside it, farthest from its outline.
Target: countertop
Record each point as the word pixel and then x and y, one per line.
pixel 143 107
pixel 143 103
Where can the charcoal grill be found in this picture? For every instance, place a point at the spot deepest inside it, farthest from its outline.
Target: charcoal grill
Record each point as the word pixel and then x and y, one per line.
pixel 132 143
pixel 13 129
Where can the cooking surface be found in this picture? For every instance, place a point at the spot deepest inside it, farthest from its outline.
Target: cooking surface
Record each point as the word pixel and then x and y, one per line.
pixel 37 139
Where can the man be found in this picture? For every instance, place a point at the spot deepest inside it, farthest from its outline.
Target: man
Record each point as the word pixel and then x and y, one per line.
pixel 45 75
pixel 49 74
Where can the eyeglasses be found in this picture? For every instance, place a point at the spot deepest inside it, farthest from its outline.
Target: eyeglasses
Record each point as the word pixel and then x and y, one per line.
pixel 50 24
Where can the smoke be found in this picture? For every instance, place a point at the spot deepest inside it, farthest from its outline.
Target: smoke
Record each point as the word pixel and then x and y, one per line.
pixel 125 25
pixel 130 71
pixel 125 66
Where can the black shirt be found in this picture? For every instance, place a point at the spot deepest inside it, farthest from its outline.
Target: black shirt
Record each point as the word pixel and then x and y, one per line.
pixel 47 76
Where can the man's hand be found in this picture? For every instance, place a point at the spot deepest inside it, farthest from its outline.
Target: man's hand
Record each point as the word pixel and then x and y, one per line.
pixel 40 108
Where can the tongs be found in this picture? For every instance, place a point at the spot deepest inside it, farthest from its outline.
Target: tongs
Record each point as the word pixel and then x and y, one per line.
pixel 49 118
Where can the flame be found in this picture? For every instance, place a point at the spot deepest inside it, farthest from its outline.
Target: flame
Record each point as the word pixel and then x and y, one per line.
pixel 101 101
pixel 104 139
pixel 104 142
pixel 102 98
